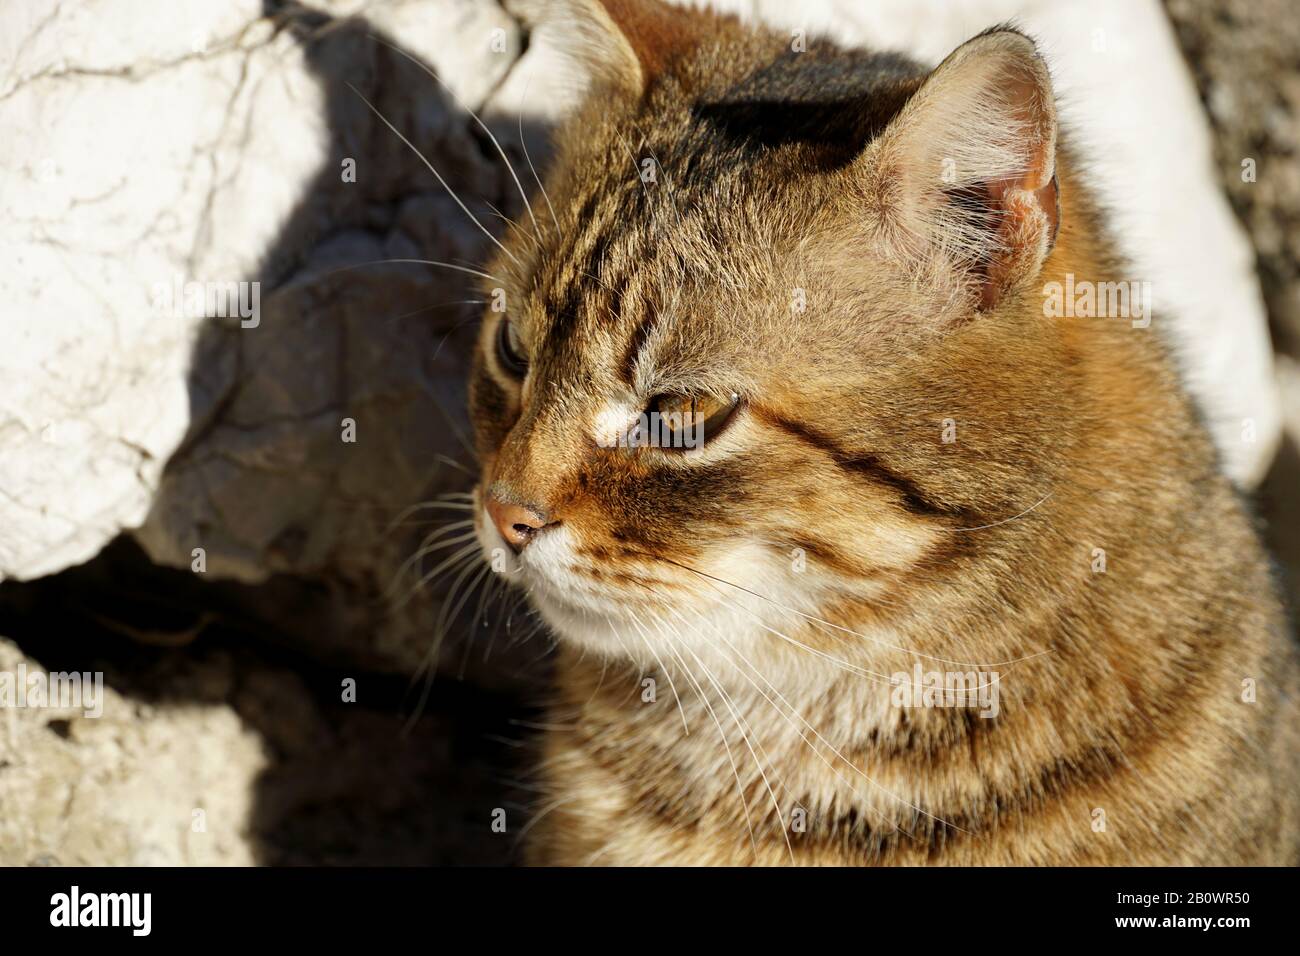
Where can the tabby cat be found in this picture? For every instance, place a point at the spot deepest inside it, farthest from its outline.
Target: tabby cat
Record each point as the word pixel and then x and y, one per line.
pixel 855 551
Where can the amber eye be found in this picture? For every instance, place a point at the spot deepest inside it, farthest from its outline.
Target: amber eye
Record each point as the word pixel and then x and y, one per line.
pixel 684 422
pixel 510 351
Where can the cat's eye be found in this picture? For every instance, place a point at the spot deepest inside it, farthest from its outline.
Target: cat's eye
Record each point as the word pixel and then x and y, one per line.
pixel 510 350
pixel 684 422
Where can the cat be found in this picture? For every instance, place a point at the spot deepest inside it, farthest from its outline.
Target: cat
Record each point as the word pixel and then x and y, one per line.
pixel 856 553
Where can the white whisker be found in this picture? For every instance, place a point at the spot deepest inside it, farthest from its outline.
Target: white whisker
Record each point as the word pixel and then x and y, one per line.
pixel 451 192
pixel 740 788
pixel 743 726
pixel 483 126
pixel 418 262
pixel 524 146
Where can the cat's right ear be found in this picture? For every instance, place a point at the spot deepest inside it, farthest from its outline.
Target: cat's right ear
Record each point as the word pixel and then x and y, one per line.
pixel 962 183
pixel 621 45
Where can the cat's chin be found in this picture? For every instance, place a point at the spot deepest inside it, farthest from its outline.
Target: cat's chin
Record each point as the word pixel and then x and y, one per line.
pixel 572 622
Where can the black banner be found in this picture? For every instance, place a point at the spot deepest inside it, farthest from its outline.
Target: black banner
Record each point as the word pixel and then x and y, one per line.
pixel 334 906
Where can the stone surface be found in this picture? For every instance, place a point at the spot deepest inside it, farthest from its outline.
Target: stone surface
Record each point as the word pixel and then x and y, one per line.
pixel 286 768
pixel 104 194
pixel 126 787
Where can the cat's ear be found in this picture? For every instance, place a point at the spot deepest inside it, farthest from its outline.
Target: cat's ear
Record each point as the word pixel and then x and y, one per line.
pixel 964 178
pixel 623 44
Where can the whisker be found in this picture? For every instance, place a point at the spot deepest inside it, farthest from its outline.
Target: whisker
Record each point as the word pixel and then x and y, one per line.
pixel 802 736
pixel 672 190
pixel 636 171
pixel 415 509
pixel 452 193
pixel 429 666
pixel 440 305
pixel 740 788
pixel 669 674
pixel 447 460
pixel 415 262
pixel 837 753
pixel 539 816
pixel 428 546
pixel 524 145
pixel 447 563
pixel 485 588
pixel 483 126
pixel 745 736
pixel 532 239
pixel 873 676
pixel 1006 520
pixel 810 617
pixel 460 436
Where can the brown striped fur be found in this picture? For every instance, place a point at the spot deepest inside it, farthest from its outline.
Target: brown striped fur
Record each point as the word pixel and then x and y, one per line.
pixel 1121 691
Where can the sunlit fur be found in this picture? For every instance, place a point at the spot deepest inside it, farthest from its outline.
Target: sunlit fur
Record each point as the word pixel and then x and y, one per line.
pixel 763 590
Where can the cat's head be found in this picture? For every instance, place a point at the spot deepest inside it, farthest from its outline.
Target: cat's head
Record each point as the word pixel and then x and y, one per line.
pixel 717 374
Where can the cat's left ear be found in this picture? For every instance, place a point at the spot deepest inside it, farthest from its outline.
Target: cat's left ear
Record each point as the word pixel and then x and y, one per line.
pixel 963 180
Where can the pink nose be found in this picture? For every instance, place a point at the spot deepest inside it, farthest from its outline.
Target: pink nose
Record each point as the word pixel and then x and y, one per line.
pixel 517 524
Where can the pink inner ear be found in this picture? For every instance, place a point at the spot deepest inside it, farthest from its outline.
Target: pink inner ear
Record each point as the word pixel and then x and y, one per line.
pixel 1029 213
pixel 1029 220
